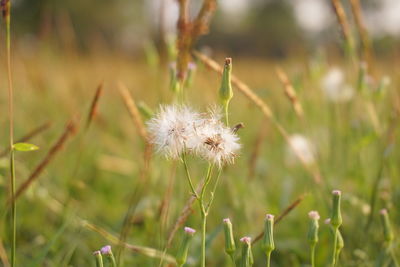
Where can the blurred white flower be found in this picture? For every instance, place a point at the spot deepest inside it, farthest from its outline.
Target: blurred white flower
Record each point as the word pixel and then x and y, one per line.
pixel 384 19
pixel 312 15
pixel 300 146
pixel 334 86
pixel 173 129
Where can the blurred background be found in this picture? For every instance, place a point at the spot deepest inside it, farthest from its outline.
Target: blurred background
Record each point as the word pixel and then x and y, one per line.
pixel 258 28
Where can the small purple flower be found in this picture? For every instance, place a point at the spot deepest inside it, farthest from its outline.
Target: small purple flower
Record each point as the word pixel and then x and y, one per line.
pixel 97 252
pixel 189 230
pixel 269 217
pixel 327 221
pixel 336 192
pixel 314 215
pixel 383 212
pixel 106 250
pixel 246 239
pixel 226 220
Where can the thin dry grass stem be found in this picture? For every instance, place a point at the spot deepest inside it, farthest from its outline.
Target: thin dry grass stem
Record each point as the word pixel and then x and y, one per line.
pixel 94 105
pixel 133 111
pixel 282 215
pixel 262 133
pixel 165 203
pixel 362 30
pixel 186 211
pixel 3 255
pixel 290 92
pixel 70 129
pixel 265 109
pixel 38 130
pixel 190 31
pixel 343 21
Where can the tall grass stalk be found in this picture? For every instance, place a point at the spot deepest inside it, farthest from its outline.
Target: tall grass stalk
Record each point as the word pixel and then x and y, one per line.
pixel 7 17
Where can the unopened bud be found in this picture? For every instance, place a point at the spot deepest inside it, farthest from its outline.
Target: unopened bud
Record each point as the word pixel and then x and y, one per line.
pixel 247 257
pixel 268 244
pixel 225 91
pixel 230 246
pixel 336 219
pixel 98 258
pixel 313 228
pixel 184 248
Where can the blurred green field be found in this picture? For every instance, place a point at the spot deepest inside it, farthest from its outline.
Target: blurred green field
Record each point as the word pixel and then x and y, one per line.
pixel 79 202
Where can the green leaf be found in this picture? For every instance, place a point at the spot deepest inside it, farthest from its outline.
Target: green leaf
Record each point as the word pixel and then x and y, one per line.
pixel 24 147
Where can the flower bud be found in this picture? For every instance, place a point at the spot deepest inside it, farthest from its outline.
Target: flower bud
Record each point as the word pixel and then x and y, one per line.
pixel 313 228
pixel 230 246
pixel 268 241
pixel 99 258
pixel 247 257
pixel 225 91
pixel 336 219
pixel 181 257
pixel 107 252
pixel 387 229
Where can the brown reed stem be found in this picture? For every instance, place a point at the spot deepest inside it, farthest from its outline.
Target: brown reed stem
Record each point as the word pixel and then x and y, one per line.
pixel 133 111
pixel 362 30
pixel 344 24
pixel 70 129
pixel 282 215
pixel 94 105
pixel 290 92
pixel 257 146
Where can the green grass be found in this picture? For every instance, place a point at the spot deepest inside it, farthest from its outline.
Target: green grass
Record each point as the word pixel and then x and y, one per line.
pixel 97 171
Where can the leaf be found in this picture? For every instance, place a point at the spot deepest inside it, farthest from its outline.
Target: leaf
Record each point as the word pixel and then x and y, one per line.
pixel 25 147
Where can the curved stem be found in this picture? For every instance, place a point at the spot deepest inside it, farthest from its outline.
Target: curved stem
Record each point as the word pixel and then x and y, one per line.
pixel 183 157
pixel 213 190
pixel 335 237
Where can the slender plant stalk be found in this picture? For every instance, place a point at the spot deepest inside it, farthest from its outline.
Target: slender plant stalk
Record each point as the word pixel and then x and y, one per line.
pixel 268 259
pixel 335 237
pixel 312 255
pixel 11 128
pixel 188 176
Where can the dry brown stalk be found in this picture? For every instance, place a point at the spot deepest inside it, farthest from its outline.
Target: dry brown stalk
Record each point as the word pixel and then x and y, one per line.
pixel 3 255
pixel 362 30
pixel 290 92
pixel 29 136
pixel 133 111
pixel 257 149
pixel 94 105
pixel 190 31
pixel 343 21
pixel 282 215
pixel 243 88
pixel 70 129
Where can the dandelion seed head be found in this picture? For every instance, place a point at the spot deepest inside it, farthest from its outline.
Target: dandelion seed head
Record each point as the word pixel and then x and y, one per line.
pixel 172 130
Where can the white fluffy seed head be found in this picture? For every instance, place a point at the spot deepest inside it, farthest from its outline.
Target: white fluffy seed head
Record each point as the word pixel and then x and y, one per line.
pixel 300 146
pixel 334 86
pixel 172 129
pixel 217 143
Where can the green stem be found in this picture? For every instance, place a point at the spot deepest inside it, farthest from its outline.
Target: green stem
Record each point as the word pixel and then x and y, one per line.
pixel 226 108
pixel 269 258
pixel 213 190
pixel 11 121
pixel 183 157
pixel 13 210
pixel 335 237
pixel 312 256
pixel 204 214
pixel 232 256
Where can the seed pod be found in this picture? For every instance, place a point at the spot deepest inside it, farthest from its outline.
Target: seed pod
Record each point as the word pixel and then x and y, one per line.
pixel 268 244
pixel 181 257
pixel 336 219
pixel 230 246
